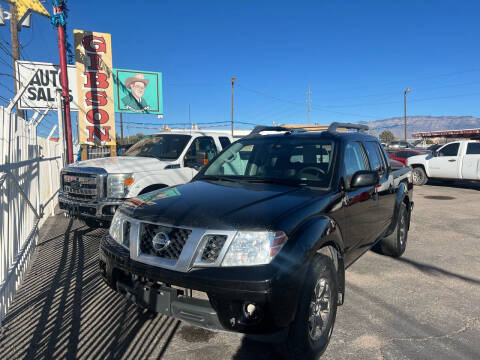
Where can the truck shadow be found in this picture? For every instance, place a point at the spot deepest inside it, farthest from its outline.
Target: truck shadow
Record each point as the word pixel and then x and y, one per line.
pixel 437 271
pixel 455 184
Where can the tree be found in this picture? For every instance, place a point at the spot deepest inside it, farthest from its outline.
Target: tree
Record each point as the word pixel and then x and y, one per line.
pixel 386 136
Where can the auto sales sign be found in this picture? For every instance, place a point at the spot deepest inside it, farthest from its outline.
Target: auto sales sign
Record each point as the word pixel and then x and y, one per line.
pixel 93 61
pixel 41 92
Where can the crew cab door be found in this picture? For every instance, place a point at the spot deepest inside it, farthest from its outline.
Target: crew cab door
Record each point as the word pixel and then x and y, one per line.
pixel 385 190
pixel 360 205
pixel 471 162
pixel 446 162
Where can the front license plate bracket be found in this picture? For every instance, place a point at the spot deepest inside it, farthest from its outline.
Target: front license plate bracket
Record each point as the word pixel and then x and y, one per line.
pixel 156 298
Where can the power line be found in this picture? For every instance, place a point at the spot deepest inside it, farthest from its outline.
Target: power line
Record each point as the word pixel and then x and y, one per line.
pixel 300 104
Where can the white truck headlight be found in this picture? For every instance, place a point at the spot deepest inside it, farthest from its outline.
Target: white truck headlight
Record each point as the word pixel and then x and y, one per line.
pixel 254 248
pixel 117 185
pixel 115 230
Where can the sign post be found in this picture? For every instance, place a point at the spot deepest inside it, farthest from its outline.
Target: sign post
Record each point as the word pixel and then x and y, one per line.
pixel 59 21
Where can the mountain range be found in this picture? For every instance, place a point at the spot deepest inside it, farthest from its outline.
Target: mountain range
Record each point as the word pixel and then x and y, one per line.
pixel 423 123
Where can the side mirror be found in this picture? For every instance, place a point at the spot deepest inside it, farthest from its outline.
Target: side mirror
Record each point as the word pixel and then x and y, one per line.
pixel 364 178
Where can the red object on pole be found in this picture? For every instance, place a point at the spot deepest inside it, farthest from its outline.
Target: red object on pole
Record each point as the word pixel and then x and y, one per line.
pixel 65 93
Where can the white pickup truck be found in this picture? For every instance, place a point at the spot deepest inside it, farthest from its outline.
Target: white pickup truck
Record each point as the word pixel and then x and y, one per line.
pixel 93 189
pixel 458 160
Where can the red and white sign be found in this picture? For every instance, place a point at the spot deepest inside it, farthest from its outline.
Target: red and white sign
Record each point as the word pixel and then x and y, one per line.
pixel 93 61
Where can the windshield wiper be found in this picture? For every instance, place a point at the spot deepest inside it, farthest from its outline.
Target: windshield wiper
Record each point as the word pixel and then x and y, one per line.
pixel 149 156
pixel 217 177
pixel 287 182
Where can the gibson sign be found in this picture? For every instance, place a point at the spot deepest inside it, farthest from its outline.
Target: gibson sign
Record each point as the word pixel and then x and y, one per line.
pixel 93 60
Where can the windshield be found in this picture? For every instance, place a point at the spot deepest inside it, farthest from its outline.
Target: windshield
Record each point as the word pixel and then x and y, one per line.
pixel 285 160
pixel 165 147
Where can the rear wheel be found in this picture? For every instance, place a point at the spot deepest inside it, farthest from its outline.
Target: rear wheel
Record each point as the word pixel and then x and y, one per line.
pixel 419 176
pixel 310 332
pixel 396 243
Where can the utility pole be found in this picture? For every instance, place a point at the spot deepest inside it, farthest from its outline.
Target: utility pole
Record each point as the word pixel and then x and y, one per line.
pixel 233 82
pixel 407 90
pixel 189 118
pixel 59 20
pixel 309 100
pixel 15 51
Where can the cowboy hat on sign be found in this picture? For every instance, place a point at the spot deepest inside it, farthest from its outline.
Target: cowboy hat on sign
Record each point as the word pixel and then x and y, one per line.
pixel 137 78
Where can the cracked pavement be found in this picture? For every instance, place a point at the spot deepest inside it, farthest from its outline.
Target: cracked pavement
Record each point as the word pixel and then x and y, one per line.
pixel 424 305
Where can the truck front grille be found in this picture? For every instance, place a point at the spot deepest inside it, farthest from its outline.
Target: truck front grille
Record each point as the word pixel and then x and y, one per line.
pixel 80 186
pixel 162 241
pixel 213 246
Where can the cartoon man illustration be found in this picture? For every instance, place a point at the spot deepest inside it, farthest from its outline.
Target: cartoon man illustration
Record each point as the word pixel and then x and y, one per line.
pixel 134 100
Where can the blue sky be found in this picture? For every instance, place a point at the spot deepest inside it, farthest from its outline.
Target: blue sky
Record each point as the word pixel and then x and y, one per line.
pixel 357 56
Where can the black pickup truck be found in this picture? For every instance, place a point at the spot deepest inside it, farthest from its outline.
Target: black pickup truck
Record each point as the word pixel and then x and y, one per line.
pixel 258 242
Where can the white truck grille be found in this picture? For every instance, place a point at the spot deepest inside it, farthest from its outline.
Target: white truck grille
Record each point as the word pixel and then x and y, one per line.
pixel 80 186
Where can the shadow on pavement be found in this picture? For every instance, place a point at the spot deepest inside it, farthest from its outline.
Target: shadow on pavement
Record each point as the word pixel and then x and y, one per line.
pixel 64 310
pixel 255 350
pixel 455 184
pixel 436 271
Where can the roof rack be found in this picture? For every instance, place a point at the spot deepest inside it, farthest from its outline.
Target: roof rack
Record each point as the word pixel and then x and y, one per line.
pixel 259 128
pixel 334 126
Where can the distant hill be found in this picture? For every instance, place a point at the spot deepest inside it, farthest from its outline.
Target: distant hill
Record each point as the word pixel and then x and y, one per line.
pixel 424 123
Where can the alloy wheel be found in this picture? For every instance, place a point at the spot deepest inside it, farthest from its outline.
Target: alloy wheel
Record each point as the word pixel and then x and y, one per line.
pixel 320 305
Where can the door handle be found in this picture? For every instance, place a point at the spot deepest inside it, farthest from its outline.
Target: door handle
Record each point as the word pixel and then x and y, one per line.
pixel 452 160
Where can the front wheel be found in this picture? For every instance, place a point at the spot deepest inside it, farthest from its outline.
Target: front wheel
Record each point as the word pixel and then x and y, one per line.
pixel 310 332
pixel 419 176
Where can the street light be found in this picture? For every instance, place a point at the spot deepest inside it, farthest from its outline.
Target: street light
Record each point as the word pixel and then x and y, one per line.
pixel 407 90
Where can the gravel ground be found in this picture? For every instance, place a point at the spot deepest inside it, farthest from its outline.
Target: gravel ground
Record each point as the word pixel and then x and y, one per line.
pixel 424 305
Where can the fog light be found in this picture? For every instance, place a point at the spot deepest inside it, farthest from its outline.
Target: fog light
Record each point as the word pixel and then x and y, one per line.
pixel 249 310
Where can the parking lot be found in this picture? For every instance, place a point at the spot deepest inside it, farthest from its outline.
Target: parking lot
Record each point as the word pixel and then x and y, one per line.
pixel 424 305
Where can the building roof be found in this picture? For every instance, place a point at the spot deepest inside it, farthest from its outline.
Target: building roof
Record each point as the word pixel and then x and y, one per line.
pixel 464 133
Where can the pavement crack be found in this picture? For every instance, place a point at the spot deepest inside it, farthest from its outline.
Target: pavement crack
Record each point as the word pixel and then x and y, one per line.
pixel 468 324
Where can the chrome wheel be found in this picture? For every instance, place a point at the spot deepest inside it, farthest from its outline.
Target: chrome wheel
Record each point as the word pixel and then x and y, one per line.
pixel 418 176
pixel 319 312
pixel 402 230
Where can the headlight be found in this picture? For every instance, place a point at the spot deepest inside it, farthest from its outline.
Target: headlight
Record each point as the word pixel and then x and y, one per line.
pixel 117 185
pixel 116 227
pixel 254 248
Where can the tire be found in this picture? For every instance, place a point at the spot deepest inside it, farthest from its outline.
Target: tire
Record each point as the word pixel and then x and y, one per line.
pixel 395 244
pixel 419 176
pixel 307 341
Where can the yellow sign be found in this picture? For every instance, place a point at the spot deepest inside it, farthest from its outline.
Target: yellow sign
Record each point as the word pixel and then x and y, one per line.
pixel 25 5
pixel 93 61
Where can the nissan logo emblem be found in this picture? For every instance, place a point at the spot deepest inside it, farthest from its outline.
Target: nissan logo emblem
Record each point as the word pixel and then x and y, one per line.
pixel 160 241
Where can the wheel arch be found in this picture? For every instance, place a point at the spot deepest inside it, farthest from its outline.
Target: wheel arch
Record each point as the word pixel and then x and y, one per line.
pixel 322 235
pixel 413 166
pixel 152 187
pixel 402 197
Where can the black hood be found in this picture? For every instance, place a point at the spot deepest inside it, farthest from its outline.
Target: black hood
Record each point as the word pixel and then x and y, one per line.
pixel 219 205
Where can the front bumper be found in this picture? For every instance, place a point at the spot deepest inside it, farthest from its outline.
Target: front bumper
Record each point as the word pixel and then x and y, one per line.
pixel 101 210
pixel 230 290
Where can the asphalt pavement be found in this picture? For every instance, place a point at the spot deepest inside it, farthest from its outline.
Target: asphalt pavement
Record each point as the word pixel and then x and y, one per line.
pixel 425 305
